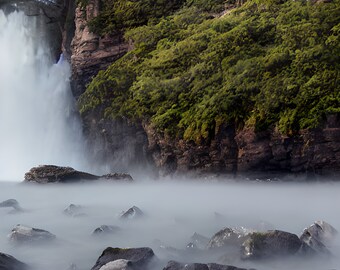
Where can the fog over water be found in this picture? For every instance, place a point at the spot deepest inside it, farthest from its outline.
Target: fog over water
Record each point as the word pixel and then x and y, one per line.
pixel 38 124
pixel 174 211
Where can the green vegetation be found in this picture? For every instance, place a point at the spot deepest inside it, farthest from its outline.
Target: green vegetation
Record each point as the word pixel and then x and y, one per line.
pixel 268 64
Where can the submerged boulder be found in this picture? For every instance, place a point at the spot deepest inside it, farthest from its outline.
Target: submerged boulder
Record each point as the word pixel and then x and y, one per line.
pixel 8 262
pixel 11 203
pixel 56 174
pixel 265 245
pixel 132 213
pixel 105 229
pixel 74 210
pixel 24 234
pixel 138 258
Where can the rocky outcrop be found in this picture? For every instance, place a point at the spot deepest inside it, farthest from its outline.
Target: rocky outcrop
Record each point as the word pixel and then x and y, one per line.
pixel 91 52
pixel 74 210
pixel 103 230
pixel 229 149
pixel 240 151
pixel 8 262
pixel 55 174
pixel 23 234
pixel 136 258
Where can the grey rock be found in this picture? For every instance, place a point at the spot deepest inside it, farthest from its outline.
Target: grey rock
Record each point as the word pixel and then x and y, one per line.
pixel 139 257
pixel 229 237
pixel 8 262
pixel 24 234
pixel 11 203
pixel 197 241
pixel 74 210
pixel 132 213
pixel 320 231
pixel 105 229
pixel 265 245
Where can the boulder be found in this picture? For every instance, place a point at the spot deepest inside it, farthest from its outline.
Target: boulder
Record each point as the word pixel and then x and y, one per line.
pixel 118 265
pixel 132 213
pixel 24 234
pixel 320 231
pixel 138 257
pixel 8 262
pixel 229 237
pixel 74 210
pixel 265 245
pixel 317 238
pixel 56 174
pixel 173 265
pixel 11 203
pixel 105 229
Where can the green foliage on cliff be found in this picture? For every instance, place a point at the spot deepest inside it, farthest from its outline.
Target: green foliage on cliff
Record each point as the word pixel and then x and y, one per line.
pixel 267 63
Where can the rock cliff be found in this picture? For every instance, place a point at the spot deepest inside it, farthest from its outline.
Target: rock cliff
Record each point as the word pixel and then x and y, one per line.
pixel 231 150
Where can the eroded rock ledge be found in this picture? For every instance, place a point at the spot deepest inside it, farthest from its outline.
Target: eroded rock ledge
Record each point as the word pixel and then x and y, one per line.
pixel 55 174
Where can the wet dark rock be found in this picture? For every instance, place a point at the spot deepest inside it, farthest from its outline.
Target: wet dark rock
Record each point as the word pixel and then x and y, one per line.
pixel 8 262
pixel 132 213
pixel 11 203
pixel 105 229
pixel 118 265
pixel 229 237
pixel 55 174
pixel 265 245
pixel 74 210
pixel 173 265
pixel 139 257
pixel 24 234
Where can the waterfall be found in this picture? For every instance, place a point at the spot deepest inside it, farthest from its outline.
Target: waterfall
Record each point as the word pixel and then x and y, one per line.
pixel 38 123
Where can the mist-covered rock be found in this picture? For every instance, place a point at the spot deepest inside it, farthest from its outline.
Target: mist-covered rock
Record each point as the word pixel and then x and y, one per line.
pixel 137 258
pixel 271 244
pixel 23 234
pixel 8 262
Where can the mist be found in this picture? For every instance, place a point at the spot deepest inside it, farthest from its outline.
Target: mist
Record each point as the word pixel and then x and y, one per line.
pixel 174 211
pixel 38 120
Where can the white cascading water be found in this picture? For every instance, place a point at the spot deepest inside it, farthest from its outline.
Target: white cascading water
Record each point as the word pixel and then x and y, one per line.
pixel 38 124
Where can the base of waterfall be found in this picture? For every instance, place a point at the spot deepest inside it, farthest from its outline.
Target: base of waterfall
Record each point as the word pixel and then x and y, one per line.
pixel 44 174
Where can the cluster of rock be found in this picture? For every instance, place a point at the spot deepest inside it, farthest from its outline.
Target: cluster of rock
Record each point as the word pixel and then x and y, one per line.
pixel 56 174
pixel 231 244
